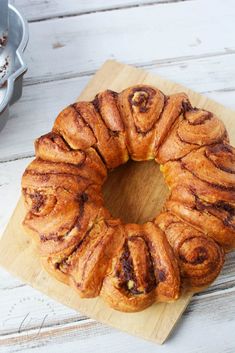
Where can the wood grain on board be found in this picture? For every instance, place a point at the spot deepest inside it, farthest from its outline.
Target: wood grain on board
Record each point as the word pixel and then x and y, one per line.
pixel 19 256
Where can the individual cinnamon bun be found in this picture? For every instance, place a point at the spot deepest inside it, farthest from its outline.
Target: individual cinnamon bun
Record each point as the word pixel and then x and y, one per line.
pixel 141 107
pixel 203 190
pixel 84 263
pixel 74 130
pixel 200 258
pixel 194 128
pixel 109 144
pixel 143 271
pixel 52 147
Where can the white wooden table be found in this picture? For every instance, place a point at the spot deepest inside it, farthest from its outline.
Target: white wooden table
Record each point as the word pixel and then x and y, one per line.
pixel 191 42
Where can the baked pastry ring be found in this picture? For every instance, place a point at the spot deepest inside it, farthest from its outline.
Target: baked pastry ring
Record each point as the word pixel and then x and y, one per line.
pixel 132 266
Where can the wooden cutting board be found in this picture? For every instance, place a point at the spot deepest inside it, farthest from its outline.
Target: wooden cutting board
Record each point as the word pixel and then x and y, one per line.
pixel 136 193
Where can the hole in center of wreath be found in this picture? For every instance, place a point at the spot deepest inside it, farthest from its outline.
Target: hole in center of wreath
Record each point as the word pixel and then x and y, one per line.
pixel 135 191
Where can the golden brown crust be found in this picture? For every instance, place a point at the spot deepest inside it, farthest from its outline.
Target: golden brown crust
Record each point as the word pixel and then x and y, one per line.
pixel 106 105
pixel 132 266
pixel 111 146
pixel 203 191
pixel 85 263
pixel 141 107
pixel 200 258
pixel 194 128
pixel 72 127
pixel 213 164
pixel 175 105
pixel 176 174
pixel 52 147
pixel 216 220
pixel 144 270
pixel 93 258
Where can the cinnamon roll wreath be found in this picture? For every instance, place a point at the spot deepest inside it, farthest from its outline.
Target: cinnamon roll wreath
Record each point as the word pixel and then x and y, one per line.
pixel 132 266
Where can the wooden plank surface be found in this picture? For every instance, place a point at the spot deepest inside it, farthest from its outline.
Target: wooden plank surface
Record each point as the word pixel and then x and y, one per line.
pixel 141 35
pixel 40 9
pixel 20 256
pixel 211 73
